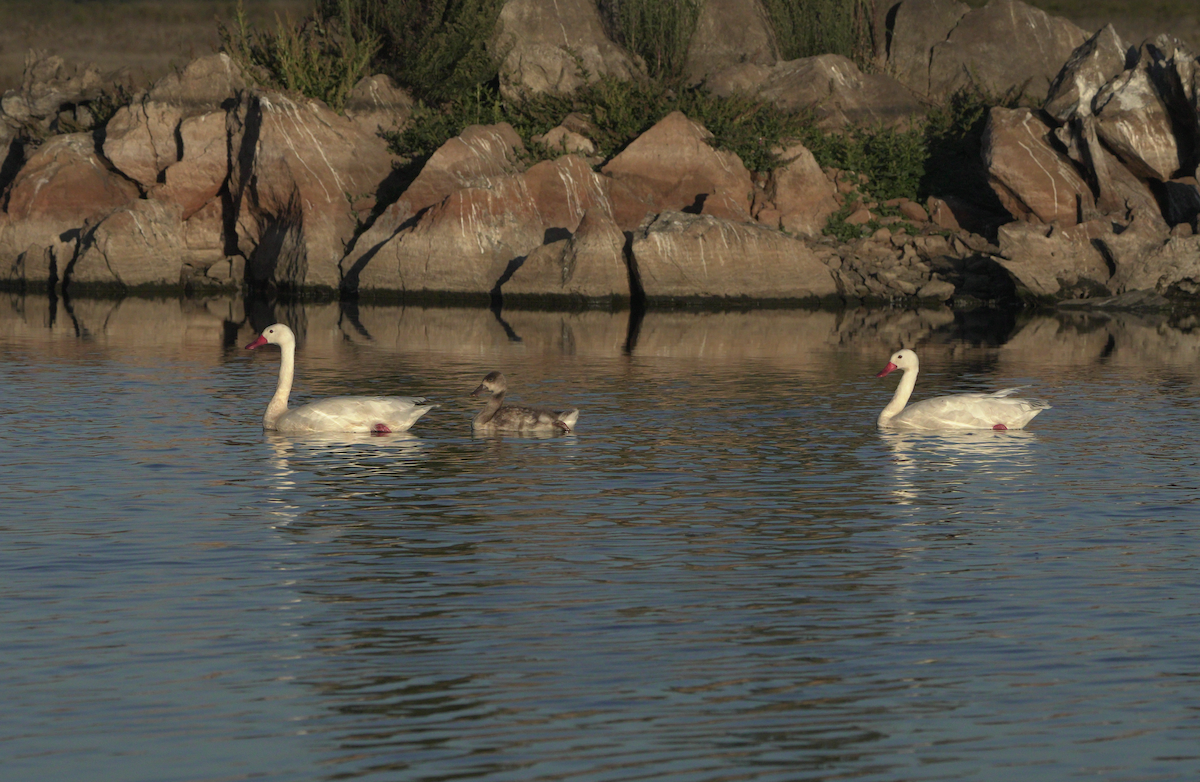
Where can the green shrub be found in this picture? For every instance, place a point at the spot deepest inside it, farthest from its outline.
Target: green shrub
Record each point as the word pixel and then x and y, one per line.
pixel 437 49
pixel 431 126
pixel 805 28
pixel 893 160
pixel 954 136
pixel 619 111
pixel 321 57
pixel 659 31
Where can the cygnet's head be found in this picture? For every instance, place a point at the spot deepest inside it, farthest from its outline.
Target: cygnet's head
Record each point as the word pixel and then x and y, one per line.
pixel 278 334
pixel 494 383
pixel 901 359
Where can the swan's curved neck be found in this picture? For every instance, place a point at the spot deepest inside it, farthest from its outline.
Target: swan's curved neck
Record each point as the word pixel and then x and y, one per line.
pixel 279 403
pixel 903 391
pixel 490 409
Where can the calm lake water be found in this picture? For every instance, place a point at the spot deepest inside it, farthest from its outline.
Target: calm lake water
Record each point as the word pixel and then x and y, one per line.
pixel 728 573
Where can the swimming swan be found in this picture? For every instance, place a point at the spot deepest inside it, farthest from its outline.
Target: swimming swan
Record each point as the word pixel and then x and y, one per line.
pixel 498 417
pixel 997 410
pixel 380 414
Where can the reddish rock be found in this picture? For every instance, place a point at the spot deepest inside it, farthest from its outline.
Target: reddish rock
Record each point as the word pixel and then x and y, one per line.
pixel 142 139
pixel 914 211
pixel 544 43
pixel 302 176
pixel 1134 120
pixel 839 93
pixel 683 255
pixel 1120 192
pixel 204 235
pixel 471 159
pixel 917 26
pixel 590 265
pixel 139 244
pixel 63 186
pixel 375 104
pixel 1004 46
pixel 671 166
pixel 860 216
pixel 1100 59
pixel 566 142
pixel 1032 180
pixel 800 191
pixel 716 44
pixel 203 167
pixel 466 243
pixel 1056 262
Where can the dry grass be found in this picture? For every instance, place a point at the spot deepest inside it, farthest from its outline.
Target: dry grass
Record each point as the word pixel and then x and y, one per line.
pixel 145 38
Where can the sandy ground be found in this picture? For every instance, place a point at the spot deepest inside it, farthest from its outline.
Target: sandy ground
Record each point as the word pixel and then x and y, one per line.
pixel 146 38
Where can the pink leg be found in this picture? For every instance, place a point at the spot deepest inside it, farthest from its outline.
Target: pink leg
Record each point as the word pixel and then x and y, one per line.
pixel 1000 427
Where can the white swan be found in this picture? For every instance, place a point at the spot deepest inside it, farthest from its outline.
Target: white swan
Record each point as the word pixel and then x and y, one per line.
pixel 997 410
pixel 380 414
pixel 498 417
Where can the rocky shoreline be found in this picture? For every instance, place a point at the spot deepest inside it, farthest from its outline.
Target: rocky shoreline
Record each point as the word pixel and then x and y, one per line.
pixel 205 182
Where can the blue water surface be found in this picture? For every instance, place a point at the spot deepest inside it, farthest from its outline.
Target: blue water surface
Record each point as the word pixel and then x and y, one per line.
pixel 726 573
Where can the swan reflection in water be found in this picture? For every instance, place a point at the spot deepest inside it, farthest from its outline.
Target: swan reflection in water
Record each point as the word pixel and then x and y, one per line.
pixel 340 465
pixel 946 463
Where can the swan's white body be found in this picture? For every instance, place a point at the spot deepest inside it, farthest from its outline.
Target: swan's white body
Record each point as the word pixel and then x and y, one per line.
pixel 379 414
pixel 997 410
pixel 499 417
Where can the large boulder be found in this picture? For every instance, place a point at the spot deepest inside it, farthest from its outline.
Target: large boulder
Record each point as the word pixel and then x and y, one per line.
pixel 802 196
pixel 1118 191
pixel 839 93
pixel 1052 262
pixel 678 255
pixel 48 84
pixel 1094 64
pixel 1135 119
pixel 377 105
pixel 730 32
pixel 673 167
pixel 475 236
pixel 589 265
pixel 1033 180
pixel 471 159
pixel 139 244
pixel 197 177
pixel 544 43
pixel 1171 267
pixel 1006 46
pixel 302 179
pixel 142 139
pixel 64 185
pixel 916 27
pixel 1136 253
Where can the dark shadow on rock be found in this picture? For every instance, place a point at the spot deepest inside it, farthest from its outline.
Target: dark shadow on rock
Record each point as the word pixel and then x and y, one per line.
pixel 350 277
pixel 697 206
pixel 496 294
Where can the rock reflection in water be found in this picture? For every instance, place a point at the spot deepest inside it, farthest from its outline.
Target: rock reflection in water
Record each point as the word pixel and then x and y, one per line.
pixel 172 327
